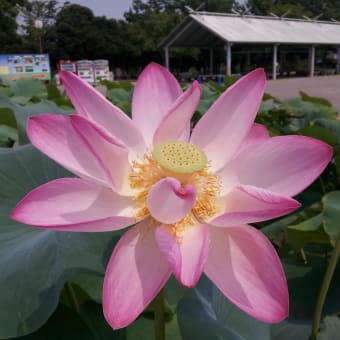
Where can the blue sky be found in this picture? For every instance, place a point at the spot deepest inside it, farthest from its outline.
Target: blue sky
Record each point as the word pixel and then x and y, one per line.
pixel 109 8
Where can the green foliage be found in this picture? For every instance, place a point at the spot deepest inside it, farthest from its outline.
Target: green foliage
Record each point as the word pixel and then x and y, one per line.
pixel 145 31
pixel 330 329
pixel 317 100
pixel 120 93
pixel 148 22
pixel 206 314
pixel 8 128
pixel 92 38
pixel 210 92
pixel 293 115
pixel 44 260
pixel 66 324
pixel 31 11
pixel 306 232
pixel 53 94
pixel 329 9
pixel 304 282
pixel 9 38
pixel 332 215
pixel 125 85
pixel 122 98
pixel 127 43
pixel 27 88
pixel 321 133
pixel 27 97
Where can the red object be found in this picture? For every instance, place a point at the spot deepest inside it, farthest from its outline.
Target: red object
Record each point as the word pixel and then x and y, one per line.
pixel 67 65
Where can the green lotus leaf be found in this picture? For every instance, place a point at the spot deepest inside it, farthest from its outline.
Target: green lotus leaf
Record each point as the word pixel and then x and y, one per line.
pixel 35 264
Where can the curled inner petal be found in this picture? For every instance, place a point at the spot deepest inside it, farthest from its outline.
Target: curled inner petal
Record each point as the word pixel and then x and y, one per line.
pixel 169 202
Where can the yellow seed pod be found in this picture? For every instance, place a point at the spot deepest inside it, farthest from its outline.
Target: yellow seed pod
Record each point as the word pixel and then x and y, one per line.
pixel 179 157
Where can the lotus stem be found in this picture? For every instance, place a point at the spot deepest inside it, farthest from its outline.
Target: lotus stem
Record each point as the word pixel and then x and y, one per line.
pixel 159 316
pixel 72 297
pixel 324 289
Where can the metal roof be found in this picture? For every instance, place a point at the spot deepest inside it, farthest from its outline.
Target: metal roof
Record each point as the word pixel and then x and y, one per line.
pixel 203 29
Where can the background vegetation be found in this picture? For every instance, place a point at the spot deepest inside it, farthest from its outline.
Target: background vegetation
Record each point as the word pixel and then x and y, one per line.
pixel 73 32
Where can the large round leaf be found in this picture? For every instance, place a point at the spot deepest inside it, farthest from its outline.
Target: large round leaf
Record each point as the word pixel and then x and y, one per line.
pixel 34 264
pixel 304 283
pixel 22 113
pixel 332 214
pixel 330 328
pixel 27 87
pixel 144 329
pixel 206 314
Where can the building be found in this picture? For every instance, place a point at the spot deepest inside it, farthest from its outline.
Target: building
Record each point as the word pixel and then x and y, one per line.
pixel 277 34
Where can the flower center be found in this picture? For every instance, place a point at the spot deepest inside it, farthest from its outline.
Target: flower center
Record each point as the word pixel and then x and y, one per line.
pixel 189 165
pixel 180 157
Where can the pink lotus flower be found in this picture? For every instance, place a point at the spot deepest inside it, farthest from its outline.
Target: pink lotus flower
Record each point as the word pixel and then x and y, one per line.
pixel 189 197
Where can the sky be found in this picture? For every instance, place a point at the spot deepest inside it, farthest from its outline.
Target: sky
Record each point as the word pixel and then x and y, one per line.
pixel 109 8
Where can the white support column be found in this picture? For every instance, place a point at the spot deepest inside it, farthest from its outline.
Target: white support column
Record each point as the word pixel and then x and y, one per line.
pixel 311 60
pixel 275 62
pixel 211 61
pixel 166 57
pixel 228 59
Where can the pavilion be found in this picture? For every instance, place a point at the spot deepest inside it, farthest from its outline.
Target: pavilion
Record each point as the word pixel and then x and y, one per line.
pixel 215 30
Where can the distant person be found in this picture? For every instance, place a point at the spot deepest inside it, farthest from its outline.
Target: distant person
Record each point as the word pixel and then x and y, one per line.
pixel 118 73
pixel 57 78
pixel 277 67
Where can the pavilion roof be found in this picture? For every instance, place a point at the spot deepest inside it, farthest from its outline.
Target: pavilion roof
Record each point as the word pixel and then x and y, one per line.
pixel 204 29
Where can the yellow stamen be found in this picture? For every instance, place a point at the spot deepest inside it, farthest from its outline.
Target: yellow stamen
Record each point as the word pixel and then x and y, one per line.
pixel 163 162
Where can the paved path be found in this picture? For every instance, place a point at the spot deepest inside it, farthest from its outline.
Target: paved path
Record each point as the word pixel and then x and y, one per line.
pixel 322 86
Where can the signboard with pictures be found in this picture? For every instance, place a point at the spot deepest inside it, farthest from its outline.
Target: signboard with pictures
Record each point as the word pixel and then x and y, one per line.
pixel 16 66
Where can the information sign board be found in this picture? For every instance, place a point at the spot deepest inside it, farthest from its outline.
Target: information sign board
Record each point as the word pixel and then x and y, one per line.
pixel 16 66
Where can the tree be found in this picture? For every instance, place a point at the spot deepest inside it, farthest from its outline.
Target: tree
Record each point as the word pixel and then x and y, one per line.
pixel 46 12
pixel 39 10
pixel 10 40
pixel 297 9
pixel 72 36
pixel 78 34
pixel 292 10
pixel 149 22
